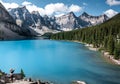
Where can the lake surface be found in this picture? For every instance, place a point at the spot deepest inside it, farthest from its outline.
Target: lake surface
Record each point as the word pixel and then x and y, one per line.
pixel 57 61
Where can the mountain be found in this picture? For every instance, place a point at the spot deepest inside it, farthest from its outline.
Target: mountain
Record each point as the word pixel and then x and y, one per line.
pixel 22 16
pixel 67 22
pixel 37 24
pixel 37 19
pixel 43 24
pixel 70 22
pixel 8 28
pixel 93 20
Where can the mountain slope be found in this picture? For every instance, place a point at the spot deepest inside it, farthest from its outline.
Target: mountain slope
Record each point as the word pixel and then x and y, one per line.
pixel 22 16
pixel 8 27
pixel 4 15
pixel 67 22
pixel 93 20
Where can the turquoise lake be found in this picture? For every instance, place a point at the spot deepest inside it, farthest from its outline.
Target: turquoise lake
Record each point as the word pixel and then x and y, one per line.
pixel 58 61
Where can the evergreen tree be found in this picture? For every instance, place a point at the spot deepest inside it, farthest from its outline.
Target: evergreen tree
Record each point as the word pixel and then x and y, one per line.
pixel 105 43
pixel 111 45
pixel 117 51
pixel 22 73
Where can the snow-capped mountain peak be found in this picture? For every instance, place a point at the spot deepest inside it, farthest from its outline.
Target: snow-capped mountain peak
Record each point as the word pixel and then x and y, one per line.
pixel 110 13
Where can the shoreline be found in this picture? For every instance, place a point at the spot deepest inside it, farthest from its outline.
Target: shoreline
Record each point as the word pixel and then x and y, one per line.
pixel 104 53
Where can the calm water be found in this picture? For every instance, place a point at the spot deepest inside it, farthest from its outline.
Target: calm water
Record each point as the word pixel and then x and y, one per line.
pixel 57 61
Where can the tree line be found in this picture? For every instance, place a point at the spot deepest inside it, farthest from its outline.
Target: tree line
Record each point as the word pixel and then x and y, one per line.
pixel 105 36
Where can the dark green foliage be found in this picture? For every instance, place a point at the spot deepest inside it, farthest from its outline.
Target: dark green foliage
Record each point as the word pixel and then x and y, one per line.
pixel 111 45
pixel 105 44
pixel 104 35
pixel 47 35
pixel 117 51
pixel 22 73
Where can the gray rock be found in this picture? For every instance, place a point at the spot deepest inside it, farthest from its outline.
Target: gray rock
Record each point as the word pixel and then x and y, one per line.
pixel 93 20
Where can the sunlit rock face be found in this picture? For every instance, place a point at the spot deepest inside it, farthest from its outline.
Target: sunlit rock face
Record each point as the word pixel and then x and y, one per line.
pixel 22 16
pixel 93 20
pixel 67 22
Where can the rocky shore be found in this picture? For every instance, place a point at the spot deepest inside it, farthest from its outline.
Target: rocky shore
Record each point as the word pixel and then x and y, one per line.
pixel 110 57
pixel 28 81
pixel 104 53
pixel 90 47
pixel 18 78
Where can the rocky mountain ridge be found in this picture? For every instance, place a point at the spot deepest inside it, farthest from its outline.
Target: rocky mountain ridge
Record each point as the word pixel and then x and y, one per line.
pixel 93 20
pixel 54 24
pixel 33 21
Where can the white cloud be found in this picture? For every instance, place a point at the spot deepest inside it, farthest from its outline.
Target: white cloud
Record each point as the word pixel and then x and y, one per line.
pixel 57 7
pixel 54 9
pixel 113 2
pixel 75 8
pixel 25 3
pixel 110 13
pixel 9 5
pixel 50 9
pixel 60 8
pixel 33 7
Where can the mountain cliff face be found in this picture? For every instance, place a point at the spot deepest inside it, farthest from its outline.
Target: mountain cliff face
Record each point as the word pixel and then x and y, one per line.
pixel 93 20
pixel 37 24
pixel 68 22
pixel 22 16
pixel 8 28
pixel 37 19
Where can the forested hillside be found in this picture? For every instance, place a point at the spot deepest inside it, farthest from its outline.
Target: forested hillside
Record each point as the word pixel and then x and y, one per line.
pixel 104 36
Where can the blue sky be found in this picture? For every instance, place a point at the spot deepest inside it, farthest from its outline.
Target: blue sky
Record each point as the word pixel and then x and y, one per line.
pixel 93 7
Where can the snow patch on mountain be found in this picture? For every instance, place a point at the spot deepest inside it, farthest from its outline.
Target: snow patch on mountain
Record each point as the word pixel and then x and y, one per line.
pixel 110 13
